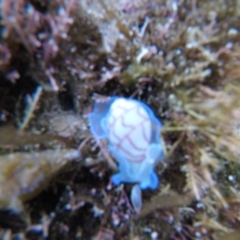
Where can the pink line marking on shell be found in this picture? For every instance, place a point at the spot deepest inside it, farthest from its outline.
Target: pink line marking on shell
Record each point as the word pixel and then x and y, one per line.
pixel 127 136
pixel 140 114
pixel 126 111
pixel 121 140
pixel 143 129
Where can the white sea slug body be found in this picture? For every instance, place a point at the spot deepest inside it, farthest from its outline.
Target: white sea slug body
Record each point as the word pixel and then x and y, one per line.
pixel 133 134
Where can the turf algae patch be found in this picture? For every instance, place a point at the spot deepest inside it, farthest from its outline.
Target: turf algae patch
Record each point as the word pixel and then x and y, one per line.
pixel 24 175
pixel 179 57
